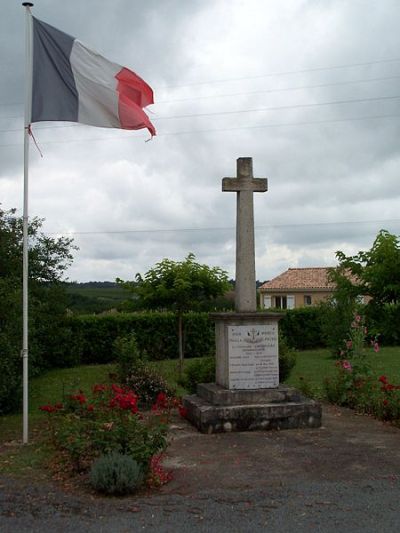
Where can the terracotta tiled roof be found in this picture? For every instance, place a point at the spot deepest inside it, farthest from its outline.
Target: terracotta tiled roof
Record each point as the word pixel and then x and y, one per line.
pixel 301 278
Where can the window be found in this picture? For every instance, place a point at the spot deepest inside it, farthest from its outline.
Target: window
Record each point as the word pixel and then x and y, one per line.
pixel 267 302
pixel 284 302
pixel 307 299
pixel 281 302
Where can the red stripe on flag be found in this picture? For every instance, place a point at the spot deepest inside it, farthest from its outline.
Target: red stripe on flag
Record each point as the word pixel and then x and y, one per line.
pixel 134 94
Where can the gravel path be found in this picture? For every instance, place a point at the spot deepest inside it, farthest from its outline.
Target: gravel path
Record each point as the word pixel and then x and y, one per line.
pixel 342 477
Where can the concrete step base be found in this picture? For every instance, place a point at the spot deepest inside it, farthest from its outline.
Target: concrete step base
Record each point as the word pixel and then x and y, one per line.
pixel 283 408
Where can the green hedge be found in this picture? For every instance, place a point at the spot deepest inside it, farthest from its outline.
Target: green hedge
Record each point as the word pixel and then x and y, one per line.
pixel 384 322
pixel 92 337
pixel 302 328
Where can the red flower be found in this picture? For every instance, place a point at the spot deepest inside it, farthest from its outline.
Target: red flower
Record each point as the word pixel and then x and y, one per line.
pixel 182 411
pixel 383 379
pixel 125 400
pixel 385 402
pixel 158 476
pixel 48 408
pixel 99 388
pixel 81 398
pixel 90 408
pixel 117 389
pixel 162 400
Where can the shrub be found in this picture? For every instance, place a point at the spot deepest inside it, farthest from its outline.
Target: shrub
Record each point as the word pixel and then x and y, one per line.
pixel 128 355
pixel 105 421
pixel 302 328
pixel 335 320
pixel 92 338
pixel 199 371
pixel 147 384
pixel 116 474
pixel 287 359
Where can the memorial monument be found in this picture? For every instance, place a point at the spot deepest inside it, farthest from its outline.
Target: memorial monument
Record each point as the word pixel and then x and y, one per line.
pixel 247 394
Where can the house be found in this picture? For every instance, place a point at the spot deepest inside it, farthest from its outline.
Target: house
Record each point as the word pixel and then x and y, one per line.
pixel 297 287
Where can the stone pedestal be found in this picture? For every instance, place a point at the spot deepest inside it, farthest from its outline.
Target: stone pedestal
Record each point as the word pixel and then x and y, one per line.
pixel 215 409
pixel 247 395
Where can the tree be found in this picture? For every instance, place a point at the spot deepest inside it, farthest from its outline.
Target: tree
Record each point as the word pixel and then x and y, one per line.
pixel 374 274
pixel 179 286
pixel 48 260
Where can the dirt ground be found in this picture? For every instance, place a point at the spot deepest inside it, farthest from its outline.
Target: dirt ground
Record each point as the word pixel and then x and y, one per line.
pixel 344 476
pixel 347 447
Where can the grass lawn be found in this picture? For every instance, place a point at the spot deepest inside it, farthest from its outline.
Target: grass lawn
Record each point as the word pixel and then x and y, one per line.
pixel 312 366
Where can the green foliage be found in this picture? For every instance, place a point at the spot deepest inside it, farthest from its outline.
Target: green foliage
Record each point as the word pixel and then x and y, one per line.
pixel 87 426
pixel 129 358
pixel 336 315
pixel 48 259
pixel 377 271
pixel 199 371
pixel 116 474
pixel 384 322
pixel 302 328
pixel 178 286
pixel 92 337
pixel 375 274
pixel 147 384
pixel 287 359
pixel 352 385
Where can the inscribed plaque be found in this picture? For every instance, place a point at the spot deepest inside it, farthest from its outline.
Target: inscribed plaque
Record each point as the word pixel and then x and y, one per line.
pixel 253 356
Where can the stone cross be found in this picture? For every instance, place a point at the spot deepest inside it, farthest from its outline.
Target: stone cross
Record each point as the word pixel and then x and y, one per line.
pixel 244 185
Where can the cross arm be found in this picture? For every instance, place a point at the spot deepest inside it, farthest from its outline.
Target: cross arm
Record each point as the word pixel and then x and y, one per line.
pixel 240 184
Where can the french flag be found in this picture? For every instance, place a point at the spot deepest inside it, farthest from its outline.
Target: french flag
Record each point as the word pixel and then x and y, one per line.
pixel 73 83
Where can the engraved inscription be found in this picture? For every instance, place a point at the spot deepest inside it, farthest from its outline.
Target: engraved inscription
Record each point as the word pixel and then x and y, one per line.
pixel 253 356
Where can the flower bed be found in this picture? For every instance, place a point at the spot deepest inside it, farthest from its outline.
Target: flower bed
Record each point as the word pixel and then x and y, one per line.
pixel 108 421
pixel 354 385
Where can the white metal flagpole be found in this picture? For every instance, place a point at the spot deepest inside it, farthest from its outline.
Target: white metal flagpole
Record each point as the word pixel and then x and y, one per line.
pixel 28 106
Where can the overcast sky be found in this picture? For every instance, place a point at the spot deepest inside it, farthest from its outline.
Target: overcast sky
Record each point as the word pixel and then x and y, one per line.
pixel 231 79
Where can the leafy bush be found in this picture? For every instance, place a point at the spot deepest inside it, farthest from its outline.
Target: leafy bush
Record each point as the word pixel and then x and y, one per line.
pixel 129 358
pixel 107 420
pixel 116 474
pixel 92 337
pixel 302 328
pixel 199 371
pixel 385 322
pixel 147 384
pixel 287 359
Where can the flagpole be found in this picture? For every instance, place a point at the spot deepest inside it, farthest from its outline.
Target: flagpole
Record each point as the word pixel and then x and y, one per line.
pixel 28 105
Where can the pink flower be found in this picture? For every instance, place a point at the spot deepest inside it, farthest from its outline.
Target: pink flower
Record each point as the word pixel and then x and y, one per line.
pixel 376 347
pixel 357 318
pixel 347 365
pixel 349 344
